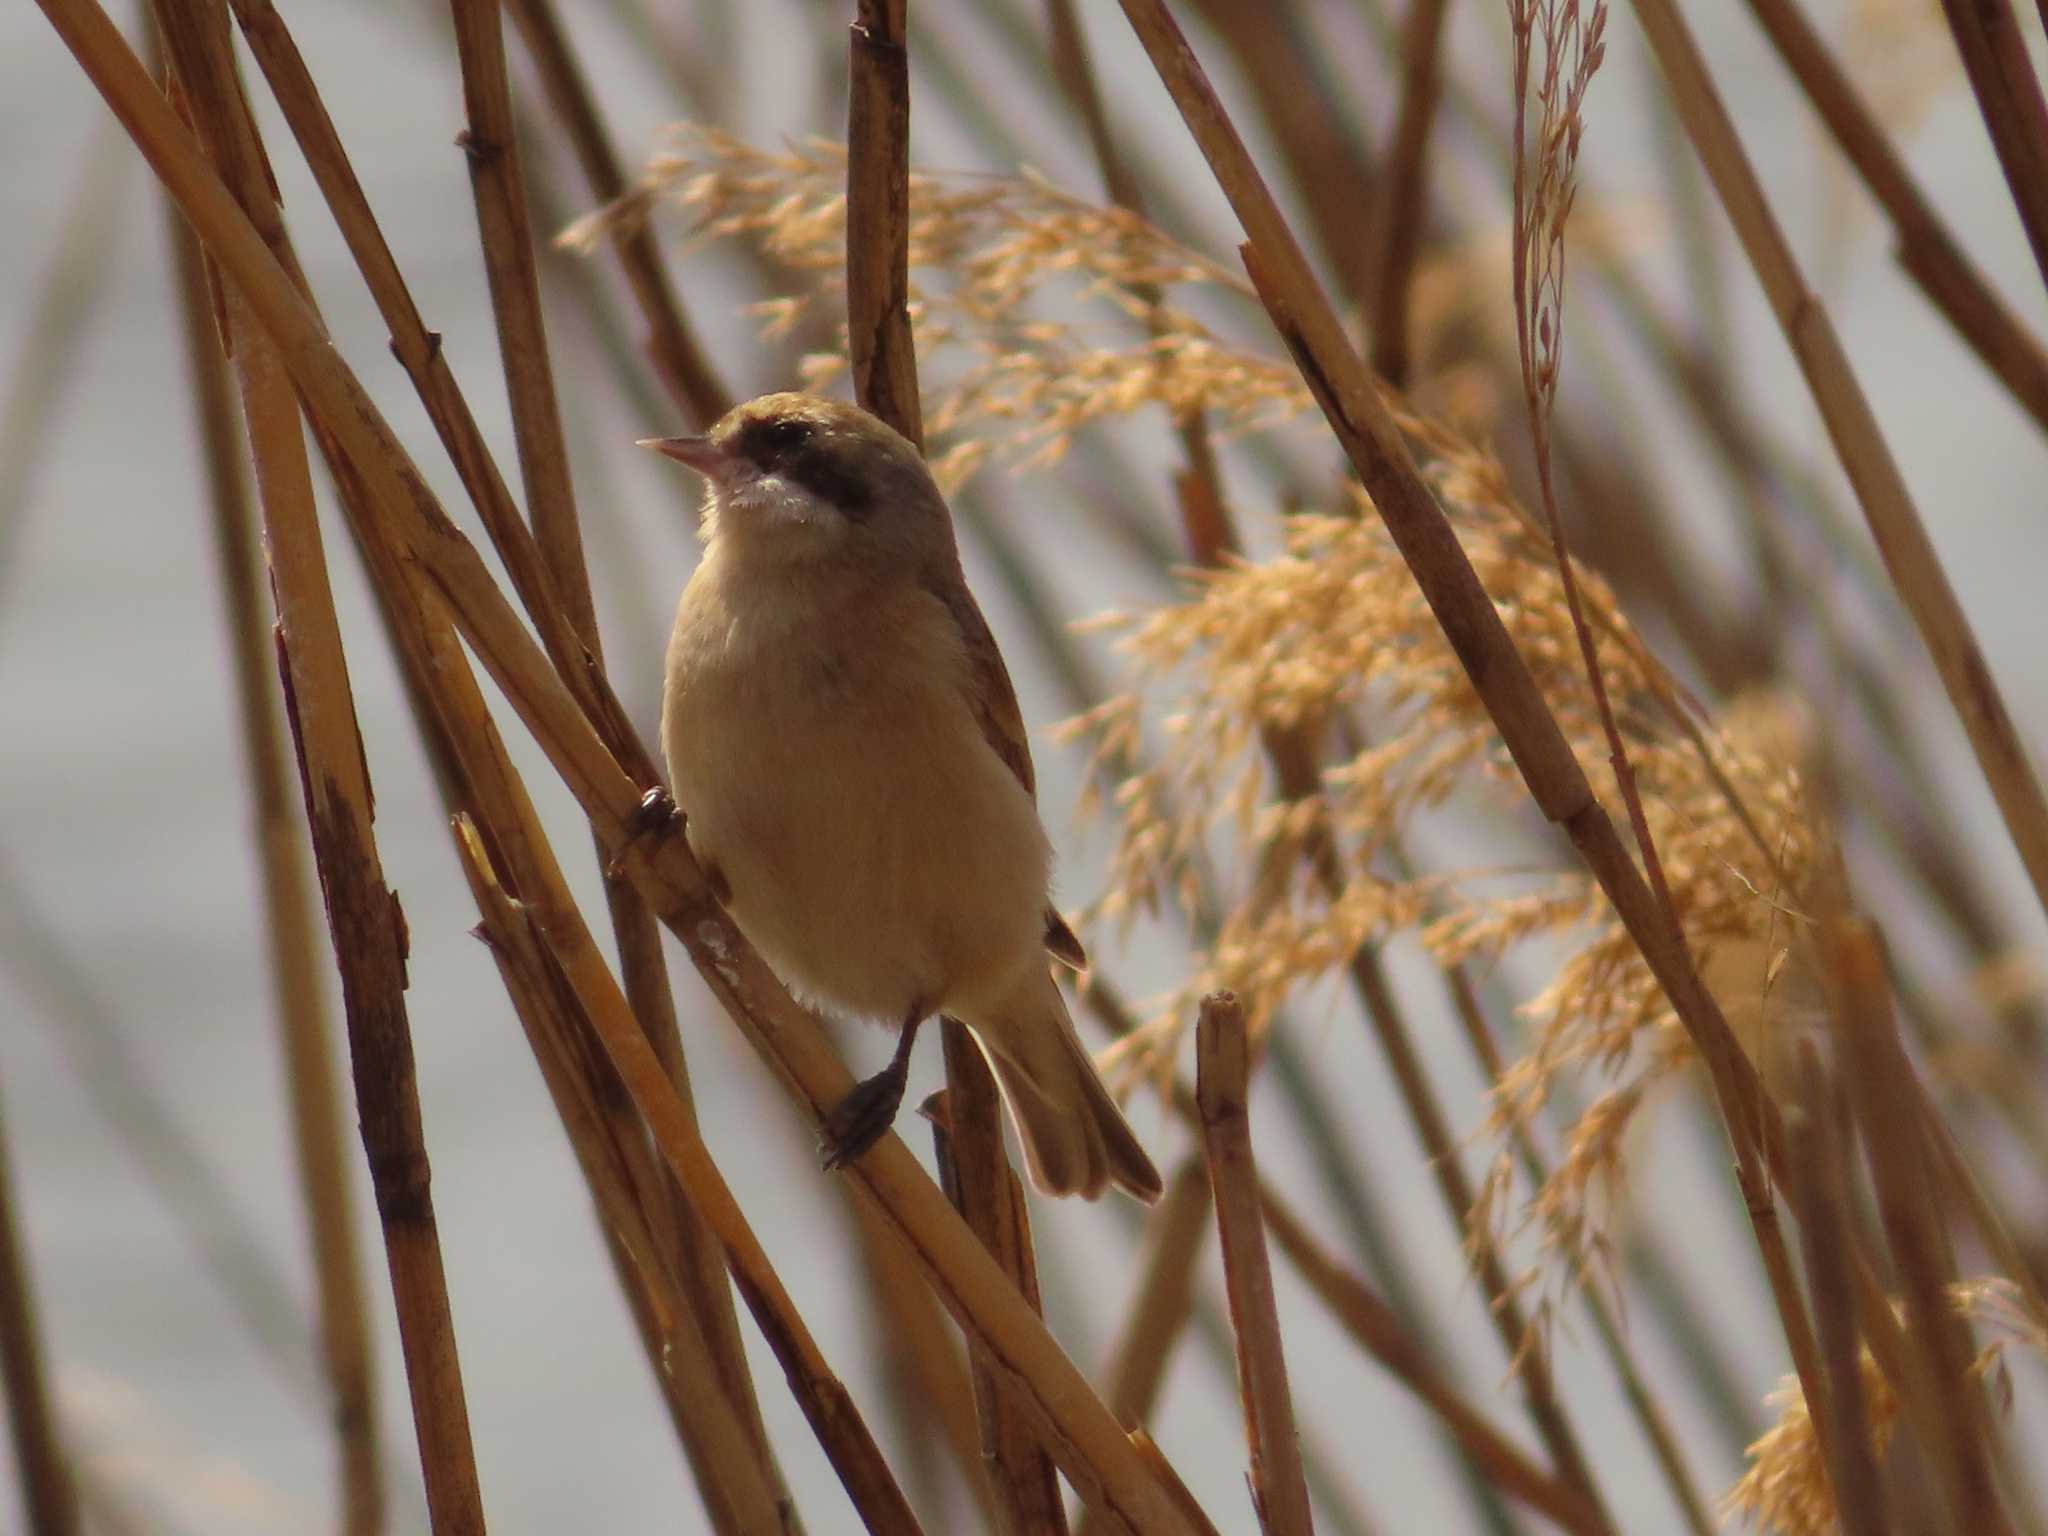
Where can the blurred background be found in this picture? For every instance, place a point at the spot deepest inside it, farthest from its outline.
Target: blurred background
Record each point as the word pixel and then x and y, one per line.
pixel 140 1074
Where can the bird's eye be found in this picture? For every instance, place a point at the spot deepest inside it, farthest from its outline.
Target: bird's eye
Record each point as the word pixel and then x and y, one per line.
pixel 768 441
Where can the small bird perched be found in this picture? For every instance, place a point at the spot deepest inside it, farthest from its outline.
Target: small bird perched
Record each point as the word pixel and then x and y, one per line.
pixel 846 745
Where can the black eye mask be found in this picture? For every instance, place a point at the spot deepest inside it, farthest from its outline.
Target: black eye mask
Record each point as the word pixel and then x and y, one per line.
pixel 795 451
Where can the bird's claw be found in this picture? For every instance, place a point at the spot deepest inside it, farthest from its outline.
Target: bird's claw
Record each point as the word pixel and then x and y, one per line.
pixel 652 818
pixel 860 1119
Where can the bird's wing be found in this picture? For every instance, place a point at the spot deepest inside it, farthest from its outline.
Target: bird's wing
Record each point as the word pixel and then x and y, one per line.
pixel 993 698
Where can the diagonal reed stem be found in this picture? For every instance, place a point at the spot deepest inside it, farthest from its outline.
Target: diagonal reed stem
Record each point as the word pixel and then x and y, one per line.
pixel 303 1024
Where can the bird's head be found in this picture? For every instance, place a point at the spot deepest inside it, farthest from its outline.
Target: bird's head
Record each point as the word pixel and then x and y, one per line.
pixel 799 479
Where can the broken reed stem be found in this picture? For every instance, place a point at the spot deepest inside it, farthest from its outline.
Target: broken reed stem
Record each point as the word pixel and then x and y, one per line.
pixel 1927 251
pixel 730 1472
pixel 302 1021
pixel 1334 373
pixel 879 343
pixel 1939 1352
pixel 967 1133
pixel 490 143
pixel 1819 1193
pixel 1909 555
pixel 49 1497
pixel 1403 190
pixel 401 516
pixel 671 344
pixel 1222 1087
pixel 1994 53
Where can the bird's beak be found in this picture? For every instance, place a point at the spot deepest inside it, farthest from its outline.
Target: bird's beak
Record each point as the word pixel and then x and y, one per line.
pixel 699 453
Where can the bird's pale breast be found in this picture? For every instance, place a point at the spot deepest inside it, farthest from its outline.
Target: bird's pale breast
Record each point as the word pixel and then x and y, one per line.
pixel 878 852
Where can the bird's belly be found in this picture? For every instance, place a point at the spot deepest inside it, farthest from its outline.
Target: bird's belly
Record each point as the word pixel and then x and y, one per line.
pixel 879 855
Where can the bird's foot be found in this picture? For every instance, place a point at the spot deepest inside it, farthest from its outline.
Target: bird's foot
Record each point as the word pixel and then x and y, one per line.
pixel 861 1119
pixel 653 818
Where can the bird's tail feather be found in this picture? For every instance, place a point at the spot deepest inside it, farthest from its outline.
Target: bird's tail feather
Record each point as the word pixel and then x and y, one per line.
pixel 1076 1140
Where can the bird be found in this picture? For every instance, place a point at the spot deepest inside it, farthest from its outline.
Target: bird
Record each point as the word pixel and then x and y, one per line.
pixel 848 755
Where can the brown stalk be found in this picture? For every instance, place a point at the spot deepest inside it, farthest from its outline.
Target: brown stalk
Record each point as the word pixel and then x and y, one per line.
pixel 878 217
pixel 1938 1356
pixel 1820 1193
pixel 1927 251
pixel 1324 157
pixel 1165 1296
pixel 923 1365
pixel 1994 53
pixel 1091 1451
pixel 1302 315
pixel 363 915
pixel 1909 556
pixel 968 1137
pixel 302 1021
pixel 1403 191
pixel 883 354
pixel 737 1494
pixel 671 343
pixel 1198 487
pixel 48 1496
pixel 1222 1089
pixel 491 144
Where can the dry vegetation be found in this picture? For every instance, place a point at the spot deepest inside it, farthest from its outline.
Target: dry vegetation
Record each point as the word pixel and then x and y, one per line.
pixel 1436 686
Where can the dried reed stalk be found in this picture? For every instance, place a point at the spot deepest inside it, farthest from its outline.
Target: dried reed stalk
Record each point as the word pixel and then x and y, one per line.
pixel 1927 250
pixel 306 1034
pixel 363 914
pixel 878 217
pixel 49 1497
pixel 1994 53
pixel 1417 525
pixel 884 358
pixel 1222 1088
pixel 1939 1354
pixel 1161 1304
pixel 924 1368
pixel 1403 202
pixel 1909 555
pixel 671 344
pixel 1083 1436
pixel 1820 1197
pixel 491 143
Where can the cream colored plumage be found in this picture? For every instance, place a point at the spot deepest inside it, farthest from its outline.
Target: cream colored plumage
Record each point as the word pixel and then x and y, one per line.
pixel 846 746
